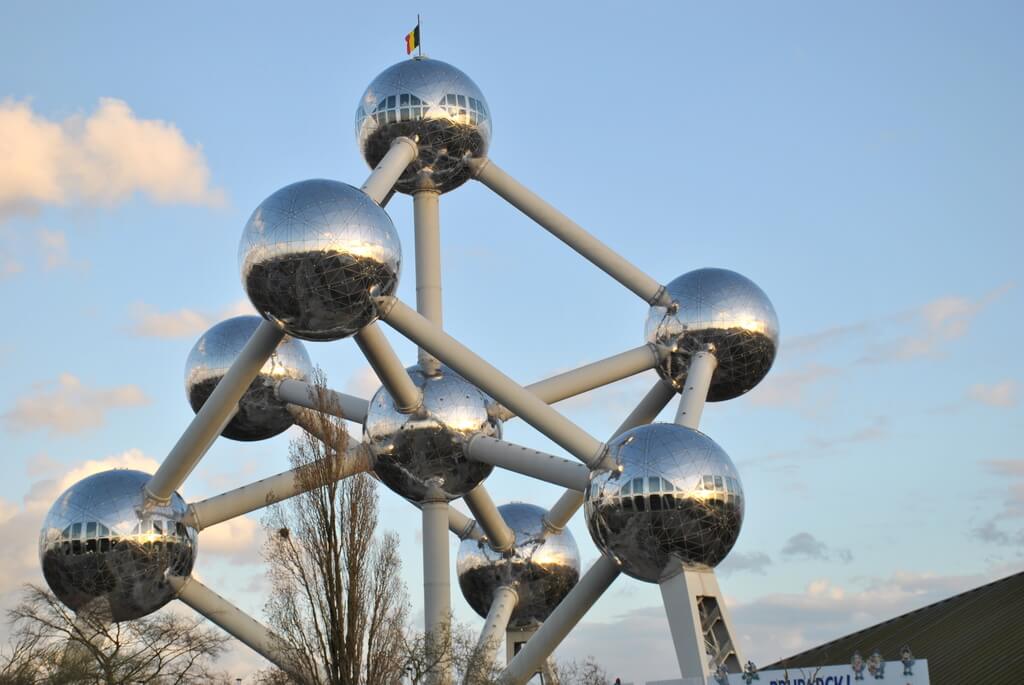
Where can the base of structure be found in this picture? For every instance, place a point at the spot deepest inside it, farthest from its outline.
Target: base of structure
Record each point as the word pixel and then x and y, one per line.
pixel 701 630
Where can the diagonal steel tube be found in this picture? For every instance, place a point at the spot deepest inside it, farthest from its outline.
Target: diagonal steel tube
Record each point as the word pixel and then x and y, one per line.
pixel 454 354
pixel 235 622
pixel 568 231
pixel 695 389
pixel 499 536
pixel 382 179
pixel 305 395
pixel 591 376
pixel 502 606
pixel 388 367
pixel 645 412
pixel 263 493
pixel 215 413
pixel 427 223
pixel 529 462
pixel 564 618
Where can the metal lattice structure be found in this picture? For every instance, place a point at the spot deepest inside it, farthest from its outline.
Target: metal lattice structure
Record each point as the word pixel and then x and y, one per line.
pixel 320 260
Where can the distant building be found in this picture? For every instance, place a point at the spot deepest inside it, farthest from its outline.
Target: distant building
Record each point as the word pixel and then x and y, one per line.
pixel 973 637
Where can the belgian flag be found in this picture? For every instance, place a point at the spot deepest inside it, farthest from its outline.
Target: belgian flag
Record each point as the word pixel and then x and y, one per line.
pixel 412 40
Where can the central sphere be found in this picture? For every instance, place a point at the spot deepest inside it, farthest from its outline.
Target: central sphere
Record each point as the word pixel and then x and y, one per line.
pixel 678 496
pixel 434 104
pixel 721 308
pixel 314 255
pixel 105 549
pixel 411 449
pixel 261 414
pixel 542 567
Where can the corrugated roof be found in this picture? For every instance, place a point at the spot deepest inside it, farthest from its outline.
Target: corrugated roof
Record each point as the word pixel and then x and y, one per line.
pixel 973 637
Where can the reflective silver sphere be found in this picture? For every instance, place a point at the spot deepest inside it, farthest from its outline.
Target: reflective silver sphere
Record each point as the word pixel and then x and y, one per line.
pixel 678 495
pixel 103 550
pixel 541 569
pixel 724 309
pixel 410 449
pixel 260 414
pixel 433 103
pixel 314 254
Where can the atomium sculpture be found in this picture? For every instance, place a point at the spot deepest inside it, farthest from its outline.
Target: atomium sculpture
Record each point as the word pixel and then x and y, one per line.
pixel 320 260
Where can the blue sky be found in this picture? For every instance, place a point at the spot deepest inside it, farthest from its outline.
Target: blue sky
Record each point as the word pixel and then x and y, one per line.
pixel 862 163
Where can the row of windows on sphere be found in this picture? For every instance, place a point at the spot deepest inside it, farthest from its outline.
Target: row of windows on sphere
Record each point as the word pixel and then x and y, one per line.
pixel 86 537
pixel 408 107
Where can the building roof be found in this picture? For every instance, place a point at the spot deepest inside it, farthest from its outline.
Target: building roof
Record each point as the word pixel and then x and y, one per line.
pixel 973 637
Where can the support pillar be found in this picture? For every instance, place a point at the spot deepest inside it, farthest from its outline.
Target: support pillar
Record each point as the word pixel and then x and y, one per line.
pixel 437 600
pixel 701 629
pixel 695 389
pixel 427 222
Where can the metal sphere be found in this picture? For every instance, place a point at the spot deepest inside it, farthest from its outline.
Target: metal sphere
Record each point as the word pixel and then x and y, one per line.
pixel 542 568
pixel 411 449
pixel 313 256
pixel 724 309
pixel 433 103
pixel 105 549
pixel 678 496
pixel 261 414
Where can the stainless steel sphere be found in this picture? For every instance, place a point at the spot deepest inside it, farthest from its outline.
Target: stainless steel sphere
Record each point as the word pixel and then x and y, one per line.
pixel 410 449
pixel 314 254
pixel 105 549
pixel 542 568
pixel 261 414
pixel 678 496
pixel 433 103
pixel 724 309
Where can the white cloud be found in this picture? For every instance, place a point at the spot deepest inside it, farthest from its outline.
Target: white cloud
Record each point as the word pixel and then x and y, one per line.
pixel 69 407
pixel 149 322
pixel 787 388
pixel 239 539
pixel 1003 394
pixel 103 158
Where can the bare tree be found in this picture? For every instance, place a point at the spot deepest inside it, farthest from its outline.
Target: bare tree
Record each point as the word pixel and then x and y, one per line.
pixel 450 648
pixel 55 645
pixel 337 598
pixel 589 672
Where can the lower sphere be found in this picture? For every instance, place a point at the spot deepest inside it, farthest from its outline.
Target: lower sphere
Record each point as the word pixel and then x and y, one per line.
pixel 542 567
pixel 105 549
pixel 261 414
pixel 429 443
pixel 677 499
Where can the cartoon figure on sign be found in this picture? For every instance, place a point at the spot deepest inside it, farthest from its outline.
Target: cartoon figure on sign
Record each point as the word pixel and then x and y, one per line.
pixel 908 660
pixel 721 675
pixel 857 664
pixel 750 673
pixel 876 665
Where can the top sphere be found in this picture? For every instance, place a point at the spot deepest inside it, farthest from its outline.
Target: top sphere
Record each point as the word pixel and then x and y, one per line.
pixel 314 255
pixel 436 105
pixel 724 309
pixel 261 414
pixel 104 548
pixel 542 567
pixel 677 497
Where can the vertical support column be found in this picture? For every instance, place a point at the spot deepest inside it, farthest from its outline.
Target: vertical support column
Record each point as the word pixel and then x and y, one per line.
pixel 695 390
pixel 426 218
pixel 437 601
pixel 700 625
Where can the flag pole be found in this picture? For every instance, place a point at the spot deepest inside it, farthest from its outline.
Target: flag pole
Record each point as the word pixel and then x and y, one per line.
pixel 419 33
